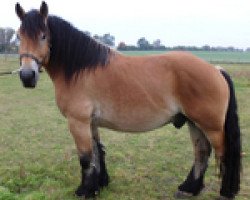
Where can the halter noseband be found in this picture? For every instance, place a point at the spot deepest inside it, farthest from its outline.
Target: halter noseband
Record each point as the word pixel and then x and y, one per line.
pixel 27 55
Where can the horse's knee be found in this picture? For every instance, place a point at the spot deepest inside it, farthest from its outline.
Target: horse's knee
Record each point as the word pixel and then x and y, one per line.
pixel 91 159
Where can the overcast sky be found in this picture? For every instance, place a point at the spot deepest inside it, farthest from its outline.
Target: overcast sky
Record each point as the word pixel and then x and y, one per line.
pixel 175 22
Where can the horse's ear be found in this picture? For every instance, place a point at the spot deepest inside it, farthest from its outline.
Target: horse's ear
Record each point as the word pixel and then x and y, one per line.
pixel 20 11
pixel 44 10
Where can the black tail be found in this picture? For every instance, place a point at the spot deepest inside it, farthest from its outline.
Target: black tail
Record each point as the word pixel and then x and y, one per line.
pixel 231 165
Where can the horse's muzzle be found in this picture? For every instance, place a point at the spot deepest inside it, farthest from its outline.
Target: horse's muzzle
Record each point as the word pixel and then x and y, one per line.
pixel 28 77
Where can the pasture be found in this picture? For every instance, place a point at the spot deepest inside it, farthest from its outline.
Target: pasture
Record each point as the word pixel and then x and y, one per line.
pixel 38 159
pixel 210 56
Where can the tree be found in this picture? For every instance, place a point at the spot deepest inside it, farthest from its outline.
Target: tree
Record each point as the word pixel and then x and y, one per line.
pixel 2 40
pixel 106 39
pixel 6 35
pixel 143 44
pixel 157 43
pixel 2 35
pixel 122 46
pixel 87 33
pixel 206 48
pixel 97 37
pixel 9 32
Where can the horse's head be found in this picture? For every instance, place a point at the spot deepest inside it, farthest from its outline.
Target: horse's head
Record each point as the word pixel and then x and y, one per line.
pixel 34 49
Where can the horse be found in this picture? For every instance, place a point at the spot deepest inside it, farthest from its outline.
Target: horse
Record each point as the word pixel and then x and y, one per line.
pixel 96 86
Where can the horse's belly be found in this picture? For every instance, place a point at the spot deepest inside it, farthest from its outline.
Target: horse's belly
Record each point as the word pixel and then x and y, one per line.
pixel 137 121
pixel 134 125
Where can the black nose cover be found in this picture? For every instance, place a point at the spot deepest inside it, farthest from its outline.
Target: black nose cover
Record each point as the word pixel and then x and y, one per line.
pixel 28 78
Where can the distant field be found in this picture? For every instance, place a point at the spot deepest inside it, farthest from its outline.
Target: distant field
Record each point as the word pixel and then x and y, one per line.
pixel 215 57
pixel 38 159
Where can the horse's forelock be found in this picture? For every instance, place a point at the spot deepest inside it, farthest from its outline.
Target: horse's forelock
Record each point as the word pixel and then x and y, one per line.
pixel 33 24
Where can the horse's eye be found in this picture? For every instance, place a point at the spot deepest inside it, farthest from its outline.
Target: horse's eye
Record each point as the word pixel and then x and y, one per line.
pixel 17 36
pixel 43 37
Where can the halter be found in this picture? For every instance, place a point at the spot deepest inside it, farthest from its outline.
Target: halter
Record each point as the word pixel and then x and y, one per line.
pixel 27 55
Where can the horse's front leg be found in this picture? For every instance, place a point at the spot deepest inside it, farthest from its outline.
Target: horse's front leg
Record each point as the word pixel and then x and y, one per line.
pixel 88 156
pixel 103 176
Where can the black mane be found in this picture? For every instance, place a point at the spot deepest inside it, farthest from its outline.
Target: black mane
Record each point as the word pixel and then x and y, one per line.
pixel 71 50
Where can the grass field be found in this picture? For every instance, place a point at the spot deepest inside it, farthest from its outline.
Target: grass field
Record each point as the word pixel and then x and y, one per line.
pixel 38 159
pixel 210 56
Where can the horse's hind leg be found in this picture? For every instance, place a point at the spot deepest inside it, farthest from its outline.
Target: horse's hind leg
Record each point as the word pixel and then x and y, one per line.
pixel 194 182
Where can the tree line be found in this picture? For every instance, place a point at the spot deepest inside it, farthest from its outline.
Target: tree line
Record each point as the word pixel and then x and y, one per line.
pixel 9 44
pixel 143 44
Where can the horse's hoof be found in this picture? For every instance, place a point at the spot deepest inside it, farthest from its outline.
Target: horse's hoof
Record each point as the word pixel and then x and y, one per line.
pixel 82 192
pixel 223 198
pixel 104 180
pixel 182 195
pixel 90 188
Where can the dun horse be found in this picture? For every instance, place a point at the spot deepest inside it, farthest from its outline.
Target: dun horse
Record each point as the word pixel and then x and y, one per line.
pixel 96 86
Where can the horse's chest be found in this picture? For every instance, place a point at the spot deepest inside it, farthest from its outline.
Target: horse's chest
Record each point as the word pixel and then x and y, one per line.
pixel 62 104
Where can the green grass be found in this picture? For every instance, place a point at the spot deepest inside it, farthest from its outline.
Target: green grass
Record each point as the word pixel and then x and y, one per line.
pixel 38 159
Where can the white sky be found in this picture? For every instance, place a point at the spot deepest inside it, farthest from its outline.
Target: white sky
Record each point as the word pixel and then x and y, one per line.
pixel 175 22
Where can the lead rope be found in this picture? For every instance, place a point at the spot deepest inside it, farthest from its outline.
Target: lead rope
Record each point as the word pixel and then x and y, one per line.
pixel 10 72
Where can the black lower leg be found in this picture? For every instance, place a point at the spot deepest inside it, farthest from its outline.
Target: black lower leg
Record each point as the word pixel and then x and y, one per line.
pixel 191 184
pixel 194 182
pixel 89 184
pixel 103 177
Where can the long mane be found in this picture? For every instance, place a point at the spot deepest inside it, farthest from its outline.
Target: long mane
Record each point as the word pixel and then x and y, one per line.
pixel 71 50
